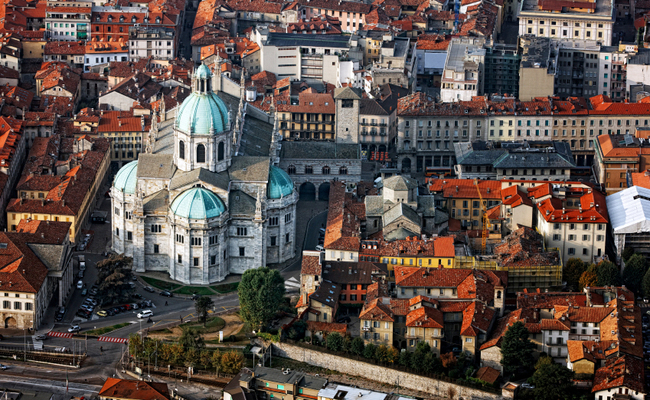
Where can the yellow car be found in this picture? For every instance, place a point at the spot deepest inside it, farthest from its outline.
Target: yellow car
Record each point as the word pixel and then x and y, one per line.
pixel 102 313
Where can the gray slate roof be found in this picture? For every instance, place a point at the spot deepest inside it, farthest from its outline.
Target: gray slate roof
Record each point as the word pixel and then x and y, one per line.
pixel 182 178
pixel 400 210
pixel 249 169
pixel 157 202
pixel 374 206
pixel 347 93
pixel 319 151
pixel 427 206
pixel 241 204
pixel 156 166
pixel 400 234
pixel 49 254
pixel 399 182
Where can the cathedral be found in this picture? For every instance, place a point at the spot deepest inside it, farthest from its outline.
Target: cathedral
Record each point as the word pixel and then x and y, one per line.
pixel 192 207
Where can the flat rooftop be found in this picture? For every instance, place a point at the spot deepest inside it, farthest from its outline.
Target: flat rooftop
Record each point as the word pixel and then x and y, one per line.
pixel 604 10
pixel 308 40
pixel 458 51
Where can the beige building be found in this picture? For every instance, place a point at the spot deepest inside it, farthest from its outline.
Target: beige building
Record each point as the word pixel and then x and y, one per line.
pixel 537 69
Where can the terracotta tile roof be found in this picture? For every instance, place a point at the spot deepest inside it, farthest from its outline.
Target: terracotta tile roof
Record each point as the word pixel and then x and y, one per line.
pixel 58 75
pixel 641 179
pixel 343 222
pixel 136 390
pixel 319 24
pixel 466 189
pixel 377 290
pixel 487 374
pixel 590 350
pixel 117 121
pixel 64 48
pixel 360 273
pixel 56 104
pixel 376 310
pixel 515 196
pixel 327 327
pixel 138 86
pixel 17 97
pixel 8 73
pixel 554 325
pixel 524 248
pixel 624 371
pixel 425 317
pixel 261 6
pixel 593 208
pixel 419 299
pixel 434 41
pixel 525 315
pixel 550 299
pixel 311 265
pixel 477 318
pixel 582 314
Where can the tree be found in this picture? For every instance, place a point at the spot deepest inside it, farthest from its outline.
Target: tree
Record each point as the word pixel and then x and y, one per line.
pixel 552 382
pixel 216 361
pixel 635 268
pixel 405 359
pixel 645 285
pixel 205 358
pixel 202 305
pixel 516 349
pixel 393 355
pixel 448 360
pixel 369 351
pixel 573 271
pixel 177 354
pixel 627 253
pixel 261 292
pixel 334 341
pixel 136 347
pixel 191 339
pixel 357 346
pixel 191 357
pixel 608 274
pixel 588 278
pixel 232 362
pixel 543 361
pixel 114 275
pixel 381 353
pixel 417 361
pixel 297 330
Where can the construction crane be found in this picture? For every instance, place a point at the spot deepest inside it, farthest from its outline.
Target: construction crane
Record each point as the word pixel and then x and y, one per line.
pixel 486 220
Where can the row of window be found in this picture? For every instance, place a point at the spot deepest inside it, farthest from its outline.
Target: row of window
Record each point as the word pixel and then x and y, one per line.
pixel 200 151
pixel 17 305
pixel 310 170
pixel 585 227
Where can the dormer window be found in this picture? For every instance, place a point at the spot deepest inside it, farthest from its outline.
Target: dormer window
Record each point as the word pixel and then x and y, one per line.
pixel 97 18
pixel 133 19
pixel 121 18
pixel 157 20
pixel 110 18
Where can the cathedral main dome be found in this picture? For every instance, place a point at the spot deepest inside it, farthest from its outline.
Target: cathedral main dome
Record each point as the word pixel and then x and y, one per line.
pixel 202 112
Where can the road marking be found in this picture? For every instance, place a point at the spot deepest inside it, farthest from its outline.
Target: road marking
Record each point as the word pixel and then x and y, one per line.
pixel 59 334
pixel 112 339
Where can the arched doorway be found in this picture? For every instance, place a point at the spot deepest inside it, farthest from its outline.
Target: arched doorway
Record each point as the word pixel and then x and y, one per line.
pixel 406 165
pixel 324 191
pixel 307 191
pixel 10 322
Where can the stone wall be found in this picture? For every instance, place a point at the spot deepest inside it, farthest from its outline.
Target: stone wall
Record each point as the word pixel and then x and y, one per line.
pixel 378 373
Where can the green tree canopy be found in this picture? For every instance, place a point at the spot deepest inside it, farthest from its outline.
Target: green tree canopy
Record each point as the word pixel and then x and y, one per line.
pixel 114 275
pixel 334 341
pixel 357 346
pixel 635 269
pixel 552 382
pixel 516 349
pixel 369 351
pixel 645 285
pixel 232 362
pixel 608 274
pixel 191 339
pixel 627 253
pixel 202 305
pixel 261 292
pixel 573 271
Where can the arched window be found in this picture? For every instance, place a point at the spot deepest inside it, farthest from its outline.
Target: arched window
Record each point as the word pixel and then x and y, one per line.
pixel 134 19
pixel 343 171
pixel 220 151
pixel 309 169
pixel 499 294
pixel 200 153
pixel 291 170
pixel 181 150
pixel 326 170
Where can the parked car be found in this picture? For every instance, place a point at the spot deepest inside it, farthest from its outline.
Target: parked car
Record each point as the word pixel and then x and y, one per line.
pixel 145 314
pixel 80 284
pixel 196 296
pixel 82 262
pixel 136 295
pixel 166 293
pixel 58 318
pixel 74 328
pixel 135 306
pixel 527 385
pixel 80 274
pixel 320 248
pixel 116 310
pixel 92 301
pixel 40 337
pixel 84 292
pixel 3 367
pixel 102 313
pixel 149 289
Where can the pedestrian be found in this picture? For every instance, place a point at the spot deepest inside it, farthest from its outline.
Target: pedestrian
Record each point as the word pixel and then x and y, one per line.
pixel 165 303
pixel 101 349
pixel 181 317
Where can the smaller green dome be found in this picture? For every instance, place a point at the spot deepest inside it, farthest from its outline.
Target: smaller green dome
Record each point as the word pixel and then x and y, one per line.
pixel 203 72
pixel 280 184
pixel 198 203
pixel 126 178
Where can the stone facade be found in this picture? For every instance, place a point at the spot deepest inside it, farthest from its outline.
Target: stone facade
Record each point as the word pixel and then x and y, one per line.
pixel 192 209
pixel 378 373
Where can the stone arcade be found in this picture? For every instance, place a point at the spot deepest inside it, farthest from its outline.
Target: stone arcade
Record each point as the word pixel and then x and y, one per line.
pixel 196 209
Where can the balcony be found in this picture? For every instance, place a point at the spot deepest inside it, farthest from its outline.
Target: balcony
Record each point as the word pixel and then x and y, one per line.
pixel 438 335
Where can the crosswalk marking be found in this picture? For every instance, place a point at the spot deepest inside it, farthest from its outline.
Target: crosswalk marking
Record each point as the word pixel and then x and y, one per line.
pixel 112 339
pixel 59 334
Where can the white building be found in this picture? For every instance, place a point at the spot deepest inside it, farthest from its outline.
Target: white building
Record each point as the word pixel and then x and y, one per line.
pixel 148 41
pixel 629 212
pixel 462 76
pixel 549 19
pixel 192 208
pixel 68 20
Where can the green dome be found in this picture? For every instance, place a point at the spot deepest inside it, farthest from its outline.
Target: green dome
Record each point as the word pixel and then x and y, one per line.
pixel 200 112
pixel 198 203
pixel 126 178
pixel 280 184
pixel 202 72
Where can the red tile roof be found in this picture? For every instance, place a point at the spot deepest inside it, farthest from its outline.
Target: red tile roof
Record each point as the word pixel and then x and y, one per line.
pixel 465 188
pixel 524 248
pixel 425 317
pixel 593 208
pixel 136 390
pixel 327 327
pixel 624 371
pixel 487 374
pixel 641 179
pixel 311 265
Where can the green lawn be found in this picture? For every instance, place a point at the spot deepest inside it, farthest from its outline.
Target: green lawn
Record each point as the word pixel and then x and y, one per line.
pixel 157 283
pixel 202 290
pixel 226 288
pixel 214 324
pixel 106 329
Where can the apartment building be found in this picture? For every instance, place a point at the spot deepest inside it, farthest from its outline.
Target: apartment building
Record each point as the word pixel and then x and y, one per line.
pixel 577 72
pixel 12 156
pixel 537 68
pixel 463 74
pixel 125 133
pixel 352 14
pixel 616 156
pixel 502 70
pixel 574 222
pixel 309 115
pixel 630 228
pixel 158 42
pixel 461 199
pixel 581 20
pixel 68 20
pixel 378 121
pixel 269 383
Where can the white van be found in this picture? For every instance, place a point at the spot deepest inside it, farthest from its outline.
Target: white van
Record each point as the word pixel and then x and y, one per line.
pixel 82 263
pixel 320 248
pixel 145 314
